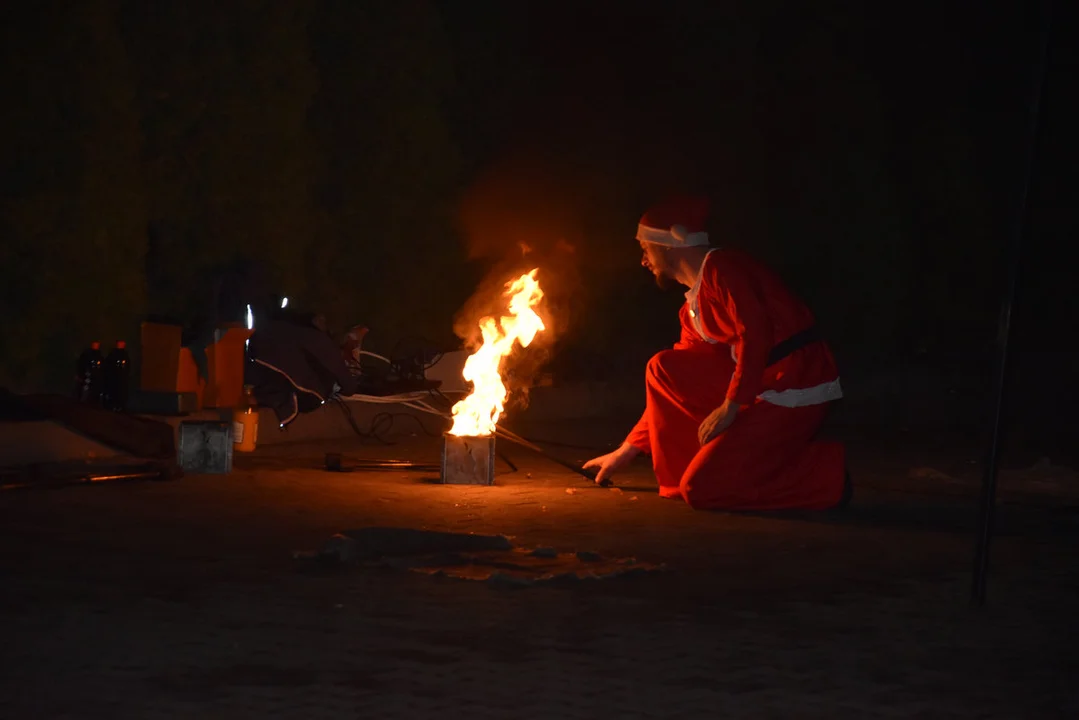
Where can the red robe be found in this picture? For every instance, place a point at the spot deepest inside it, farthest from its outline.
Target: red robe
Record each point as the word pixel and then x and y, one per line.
pixel 768 458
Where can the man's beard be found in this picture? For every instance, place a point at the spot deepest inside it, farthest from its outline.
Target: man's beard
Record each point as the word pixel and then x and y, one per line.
pixel 665 281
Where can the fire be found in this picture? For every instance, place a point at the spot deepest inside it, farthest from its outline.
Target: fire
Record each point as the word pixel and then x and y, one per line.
pixel 478 413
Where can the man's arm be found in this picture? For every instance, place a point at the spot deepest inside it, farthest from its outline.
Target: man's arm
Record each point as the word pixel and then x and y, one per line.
pixel 738 307
pixel 639 437
pixel 685 339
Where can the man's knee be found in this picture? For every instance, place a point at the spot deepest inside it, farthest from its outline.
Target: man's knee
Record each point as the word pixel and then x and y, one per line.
pixel 695 479
pixel 719 478
pixel 699 495
pixel 659 365
pixel 690 493
pixel 715 495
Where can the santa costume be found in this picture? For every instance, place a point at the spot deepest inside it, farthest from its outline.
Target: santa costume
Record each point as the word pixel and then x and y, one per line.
pixel 747 338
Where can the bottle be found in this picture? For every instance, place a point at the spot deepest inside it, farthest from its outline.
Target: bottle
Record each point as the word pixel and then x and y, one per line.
pixel 117 377
pixel 245 422
pixel 89 385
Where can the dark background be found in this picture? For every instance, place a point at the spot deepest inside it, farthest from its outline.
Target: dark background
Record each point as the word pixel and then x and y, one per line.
pixel 384 160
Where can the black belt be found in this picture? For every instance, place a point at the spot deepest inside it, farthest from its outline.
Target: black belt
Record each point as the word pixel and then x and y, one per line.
pixel 792 344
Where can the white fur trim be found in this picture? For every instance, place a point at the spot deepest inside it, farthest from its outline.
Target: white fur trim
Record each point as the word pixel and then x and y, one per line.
pixel 695 306
pixel 675 237
pixel 801 397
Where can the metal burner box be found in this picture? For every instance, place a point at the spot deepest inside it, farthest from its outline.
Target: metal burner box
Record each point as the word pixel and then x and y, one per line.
pixel 468 460
pixel 205 447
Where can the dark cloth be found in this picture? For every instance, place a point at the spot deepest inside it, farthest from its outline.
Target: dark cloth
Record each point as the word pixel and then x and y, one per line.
pixel 295 368
pixel 793 344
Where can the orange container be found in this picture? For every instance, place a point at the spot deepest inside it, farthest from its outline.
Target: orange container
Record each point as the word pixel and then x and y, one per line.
pixel 245 422
pixel 168 367
pixel 160 357
pixel 188 379
pixel 225 360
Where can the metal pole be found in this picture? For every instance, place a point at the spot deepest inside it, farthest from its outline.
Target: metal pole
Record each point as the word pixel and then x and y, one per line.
pixel 987 507
pixel 517 439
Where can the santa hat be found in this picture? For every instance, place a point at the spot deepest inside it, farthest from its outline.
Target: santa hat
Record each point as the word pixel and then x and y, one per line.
pixel 678 222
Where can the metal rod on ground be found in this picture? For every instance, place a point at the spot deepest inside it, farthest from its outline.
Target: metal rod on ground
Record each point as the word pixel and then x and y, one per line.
pixel 334 462
pixel 987 505
pixel 83 480
pixel 390 468
pixel 505 459
pixel 515 438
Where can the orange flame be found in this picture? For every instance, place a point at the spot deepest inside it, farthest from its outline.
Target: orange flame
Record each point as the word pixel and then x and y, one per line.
pixel 478 413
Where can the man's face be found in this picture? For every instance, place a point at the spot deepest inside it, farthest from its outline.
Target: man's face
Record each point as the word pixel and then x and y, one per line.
pixel 654 257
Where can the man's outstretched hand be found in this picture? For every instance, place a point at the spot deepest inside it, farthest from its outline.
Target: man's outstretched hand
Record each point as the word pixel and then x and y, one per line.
pixel 612 462
pixel 719 420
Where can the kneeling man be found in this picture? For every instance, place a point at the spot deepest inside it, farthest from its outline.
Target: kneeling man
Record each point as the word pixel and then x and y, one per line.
pixel 733 409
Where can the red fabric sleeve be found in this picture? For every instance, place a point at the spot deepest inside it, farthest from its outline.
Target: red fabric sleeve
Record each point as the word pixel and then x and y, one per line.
pixel 736 306
pixel 688 336
pixel 638 436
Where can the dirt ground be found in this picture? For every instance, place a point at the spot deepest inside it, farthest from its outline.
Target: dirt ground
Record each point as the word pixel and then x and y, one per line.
pixel 183 600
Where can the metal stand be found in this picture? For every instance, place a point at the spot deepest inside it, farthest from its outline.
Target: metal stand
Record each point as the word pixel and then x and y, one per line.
pixel 987 506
